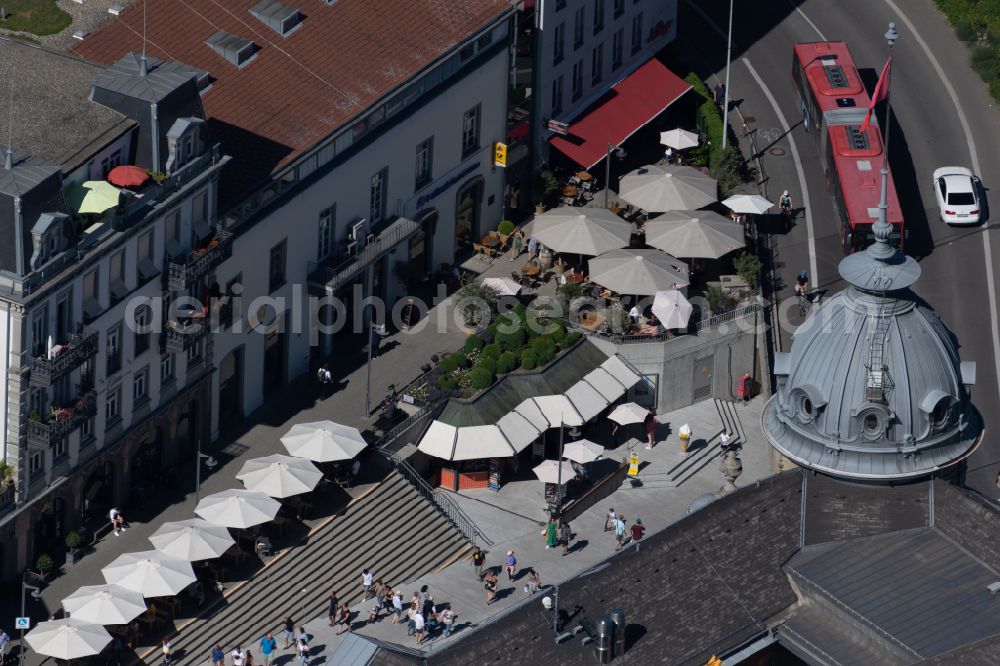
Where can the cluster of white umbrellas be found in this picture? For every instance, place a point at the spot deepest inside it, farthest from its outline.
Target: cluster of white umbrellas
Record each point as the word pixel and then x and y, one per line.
pixel 167 570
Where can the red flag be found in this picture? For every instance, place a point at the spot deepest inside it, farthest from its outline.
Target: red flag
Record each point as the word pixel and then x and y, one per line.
pixel 881 92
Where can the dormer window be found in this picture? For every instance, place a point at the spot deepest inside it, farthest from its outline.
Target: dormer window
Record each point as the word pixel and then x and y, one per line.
pixel 281 18
pixel 237 50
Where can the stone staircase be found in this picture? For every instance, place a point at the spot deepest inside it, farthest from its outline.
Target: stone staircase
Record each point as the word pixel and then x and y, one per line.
pixel 699 458
pixel 393 531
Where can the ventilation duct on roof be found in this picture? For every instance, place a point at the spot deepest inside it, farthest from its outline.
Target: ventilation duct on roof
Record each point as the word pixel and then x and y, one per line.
pixel 281 18
pixel 237 50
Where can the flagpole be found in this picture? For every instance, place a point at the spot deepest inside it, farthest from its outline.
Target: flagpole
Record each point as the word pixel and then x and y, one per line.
pixel 883 205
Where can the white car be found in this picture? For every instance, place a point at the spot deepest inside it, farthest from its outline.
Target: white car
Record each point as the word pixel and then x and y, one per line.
pixel 957 192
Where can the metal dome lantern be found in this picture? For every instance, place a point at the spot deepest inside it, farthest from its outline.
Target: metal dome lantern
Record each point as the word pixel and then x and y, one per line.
pixel 873 388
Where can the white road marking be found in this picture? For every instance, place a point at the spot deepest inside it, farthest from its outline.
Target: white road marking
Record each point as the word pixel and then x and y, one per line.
pixel 814 277
pixel 974 156
pixel 812 25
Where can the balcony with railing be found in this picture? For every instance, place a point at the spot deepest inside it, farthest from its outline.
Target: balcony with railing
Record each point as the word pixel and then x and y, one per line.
pixel 338 271
pixel 200 261
pixel 62 420
pixel 180 334
pixel 63 359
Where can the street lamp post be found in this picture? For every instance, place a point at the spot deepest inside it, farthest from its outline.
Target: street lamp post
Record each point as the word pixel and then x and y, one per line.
pixel 725 101
pixel 618 152
pixel 35 594
pixel 883 204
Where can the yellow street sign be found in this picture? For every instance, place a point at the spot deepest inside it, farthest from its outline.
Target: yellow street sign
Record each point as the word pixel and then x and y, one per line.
pixel 500 154
pixel 633 465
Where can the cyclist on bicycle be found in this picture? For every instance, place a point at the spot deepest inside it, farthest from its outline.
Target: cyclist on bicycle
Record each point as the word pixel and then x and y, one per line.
pixel 786 203
pixel 802 284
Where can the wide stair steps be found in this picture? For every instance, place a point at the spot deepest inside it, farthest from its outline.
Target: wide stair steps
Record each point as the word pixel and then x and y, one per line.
pixel 698 459
pixel 393 531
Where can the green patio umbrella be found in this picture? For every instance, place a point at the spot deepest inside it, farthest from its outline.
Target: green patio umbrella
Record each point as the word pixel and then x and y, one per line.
pixel 94 196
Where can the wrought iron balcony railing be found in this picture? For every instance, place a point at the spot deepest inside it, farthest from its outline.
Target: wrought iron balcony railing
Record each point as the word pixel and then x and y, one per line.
pixel 178 337
pixel 71 355
pixel 377 246
pixel 200 262
pixel 62 421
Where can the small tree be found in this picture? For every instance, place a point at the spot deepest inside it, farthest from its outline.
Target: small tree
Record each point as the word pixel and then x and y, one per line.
pixel 73 540
pixel 506 228
pixel 748 267
pixel 44 564
pixel 477 303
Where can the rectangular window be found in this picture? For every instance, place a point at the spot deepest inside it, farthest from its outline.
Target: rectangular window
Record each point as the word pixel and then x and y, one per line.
pixel 113 350
pixel 116 277
pixel 172 235
pixel 377 195
pixel 166 368
pixel 324 240
pixel 617 48
pixel 577 90
pixel 598 16
pixel 424 163
pixel 637 33
pixel 199 208
pixel 233 286
pixel 578 26
pixel 619 8
pixel 112 406
pixel 36 462
pixel 596 64
pixel 143 319
pixel 144 256
pixel 470 130
pixel 91 295
pixel 557 95
pixel 59 449
pixel 86 430
pixel 558 43
pixel 276 267
pixel 194 352
pixel 139 387
pixel 40 334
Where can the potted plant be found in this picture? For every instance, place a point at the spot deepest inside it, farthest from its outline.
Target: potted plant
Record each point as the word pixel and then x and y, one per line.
pixel 6 474
pixel 33 415
pixel 73 540
pixel 44 565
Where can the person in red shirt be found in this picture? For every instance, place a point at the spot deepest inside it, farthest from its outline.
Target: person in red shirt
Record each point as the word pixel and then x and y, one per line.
pixel 638 529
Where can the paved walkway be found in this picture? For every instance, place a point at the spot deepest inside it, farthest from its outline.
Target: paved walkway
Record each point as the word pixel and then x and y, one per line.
pixel 514 514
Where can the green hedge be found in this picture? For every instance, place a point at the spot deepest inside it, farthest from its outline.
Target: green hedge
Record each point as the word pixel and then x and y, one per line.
pixel 473 343
pixel 977 22
pixel 507 362
pixel 528 359
pixel 481 377
pixel 491 351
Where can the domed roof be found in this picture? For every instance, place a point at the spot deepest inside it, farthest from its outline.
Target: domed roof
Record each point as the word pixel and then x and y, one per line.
pixel 873 387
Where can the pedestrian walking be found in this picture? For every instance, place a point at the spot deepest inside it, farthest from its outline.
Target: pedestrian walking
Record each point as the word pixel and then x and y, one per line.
pixel 418 626
pixel 719 93
pixel 448 621
pixel 366 582
pixel 638 529
pixel 532 248
pixel 4 646
pixel 511 564
pixel 516 245
pixel 268 646
pixel 565 536
pixel 302 636
pixel 619 531
pixel 397 606
pixel 610 519
pixel 724 441
pixel 491 587
pixel 343 619
pixel 218 656
pixel 534 582
pixel 478 558
pixel 333 608
pixel 247 658
pixel 166 648
pixel 422 598
pixel 289 632
pixel 551 538
pixel 373 613
pixel 323 378
pixel 649 423
pixel 303 653
pixel 237 656
pixel 431 616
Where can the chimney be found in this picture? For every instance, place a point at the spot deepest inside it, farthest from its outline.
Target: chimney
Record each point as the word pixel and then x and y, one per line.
pixel 605 640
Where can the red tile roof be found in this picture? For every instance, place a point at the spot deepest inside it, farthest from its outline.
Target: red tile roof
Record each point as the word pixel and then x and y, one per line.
pixel 301 87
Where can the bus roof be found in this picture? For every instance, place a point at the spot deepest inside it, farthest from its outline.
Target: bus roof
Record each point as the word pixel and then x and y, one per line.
pixel 832 75
pixel 857 156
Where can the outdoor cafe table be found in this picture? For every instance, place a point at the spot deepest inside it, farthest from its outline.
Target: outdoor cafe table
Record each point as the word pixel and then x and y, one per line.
pixel 584 176
pixel 531 270
pixel 574 278
pixel 490 241
pixel 591 321
pixel 570 191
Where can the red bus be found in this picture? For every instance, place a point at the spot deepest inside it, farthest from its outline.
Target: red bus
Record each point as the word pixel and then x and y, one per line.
pixel 833 102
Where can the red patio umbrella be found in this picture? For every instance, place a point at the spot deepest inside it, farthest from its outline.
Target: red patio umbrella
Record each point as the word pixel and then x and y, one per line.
pixel 127 176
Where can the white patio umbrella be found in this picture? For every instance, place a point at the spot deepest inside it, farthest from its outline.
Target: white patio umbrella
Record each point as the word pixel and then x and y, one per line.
pixel 279 476
pixel 589 231
pixel 324 441
pixel 548 471
pixel 104 604
pixel 238 508
pixel 748 203
pixel 694 234
pixel 635 271
pixel 504 285
pixel 628 413
pixel 661 188
pixel 583 451
pixel 67 639
pixel 192 540
pixel 679 139
pixel 672 309
pixel 150 573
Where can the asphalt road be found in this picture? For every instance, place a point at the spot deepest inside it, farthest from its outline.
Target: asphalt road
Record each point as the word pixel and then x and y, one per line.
pixel 926 132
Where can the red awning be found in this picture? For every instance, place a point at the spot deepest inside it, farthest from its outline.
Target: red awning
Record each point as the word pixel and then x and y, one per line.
pixel 630 104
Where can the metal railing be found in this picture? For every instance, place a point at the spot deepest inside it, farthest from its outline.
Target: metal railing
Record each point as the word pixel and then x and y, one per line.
pixel 730 315
pixel 48 432
pixel 407 423
pixel 334 278
pixel 708 322
pixel 81 347
pixel 179 338
pixel 180 275
pixel 445 504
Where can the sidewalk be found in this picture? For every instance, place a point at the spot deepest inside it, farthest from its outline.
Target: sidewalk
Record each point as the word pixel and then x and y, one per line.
pixel 513 515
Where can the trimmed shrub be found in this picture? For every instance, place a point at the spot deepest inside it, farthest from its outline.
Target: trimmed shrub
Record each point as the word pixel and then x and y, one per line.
pixel 559 334
pixel 473 343
pixel 571 339
pixel 44 563
pixel 544 348
pixel 511 341
pixel 448 383
pixel 492 351
pixel 488 363
pixel 481 377
pixel 506 363
pixel 506 228
pixel 461 359
pixel 449 364
pixel 528 359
